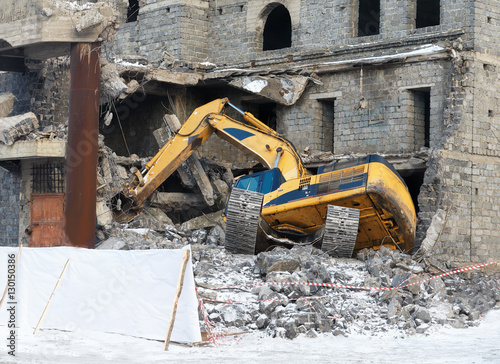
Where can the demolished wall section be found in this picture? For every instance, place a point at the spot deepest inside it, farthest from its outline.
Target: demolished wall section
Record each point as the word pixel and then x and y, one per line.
pixel 463 177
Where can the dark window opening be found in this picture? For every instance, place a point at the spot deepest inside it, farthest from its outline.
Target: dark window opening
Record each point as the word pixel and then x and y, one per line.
pixel 48 178
pixel 278 29
pixel 328 124
pixel 132 10
pixel 267 114
pixel 414 180
pixel 428 13
pixel 130 131
pixel 421 118
pixel 369 17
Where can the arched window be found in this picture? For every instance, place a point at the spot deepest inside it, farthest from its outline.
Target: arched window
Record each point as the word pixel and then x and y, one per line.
pixel 132 10
pixel 278 29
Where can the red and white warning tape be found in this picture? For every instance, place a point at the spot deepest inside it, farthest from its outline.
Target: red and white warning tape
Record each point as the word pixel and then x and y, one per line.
pixel 330 285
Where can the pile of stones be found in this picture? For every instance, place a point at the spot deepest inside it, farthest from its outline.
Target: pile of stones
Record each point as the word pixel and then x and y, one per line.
pixel 399 293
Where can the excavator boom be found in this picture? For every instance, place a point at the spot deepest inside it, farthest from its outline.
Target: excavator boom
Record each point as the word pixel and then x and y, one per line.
pixel 253 137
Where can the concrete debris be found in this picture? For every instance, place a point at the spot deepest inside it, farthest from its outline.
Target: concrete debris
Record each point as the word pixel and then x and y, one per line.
pixel 14 127
pixel 6 104
pixel 162 136
pixel 203 221
pixel 113 244
pixel 89 20
pixel 409 161
pixel 176 201
pixel 283 89
pixel 112 85
pixel 433 232
pixel 289 311
pixel 103 213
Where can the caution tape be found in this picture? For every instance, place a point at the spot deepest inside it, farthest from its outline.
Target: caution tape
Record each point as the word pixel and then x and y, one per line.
pixel 330 285
pixel 230 302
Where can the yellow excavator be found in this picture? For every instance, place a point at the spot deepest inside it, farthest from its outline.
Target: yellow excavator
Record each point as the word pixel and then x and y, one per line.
pixel 343 208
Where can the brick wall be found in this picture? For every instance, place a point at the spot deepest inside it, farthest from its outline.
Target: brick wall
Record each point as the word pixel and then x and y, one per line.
pixel 179 28
pixel 375 110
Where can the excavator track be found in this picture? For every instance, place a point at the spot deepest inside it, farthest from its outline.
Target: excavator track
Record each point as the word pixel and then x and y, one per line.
pixel 341 230
pixel 242 221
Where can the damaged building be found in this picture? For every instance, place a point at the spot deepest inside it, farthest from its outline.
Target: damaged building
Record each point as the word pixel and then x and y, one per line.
pixel 415 81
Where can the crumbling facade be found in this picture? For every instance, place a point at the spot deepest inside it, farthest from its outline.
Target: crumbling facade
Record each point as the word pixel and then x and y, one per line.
pixel 414 80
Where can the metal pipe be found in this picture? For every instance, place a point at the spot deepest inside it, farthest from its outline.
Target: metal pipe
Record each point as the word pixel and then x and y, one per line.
pixel 83 132
pixel 234 107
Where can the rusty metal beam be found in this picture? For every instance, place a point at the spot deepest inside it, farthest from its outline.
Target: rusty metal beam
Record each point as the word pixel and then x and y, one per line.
pixel 83 131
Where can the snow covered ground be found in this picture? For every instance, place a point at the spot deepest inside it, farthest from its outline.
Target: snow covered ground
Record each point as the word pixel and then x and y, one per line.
pixel 441 345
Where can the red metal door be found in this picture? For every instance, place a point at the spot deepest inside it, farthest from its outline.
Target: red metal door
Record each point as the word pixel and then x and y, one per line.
pixel 46 219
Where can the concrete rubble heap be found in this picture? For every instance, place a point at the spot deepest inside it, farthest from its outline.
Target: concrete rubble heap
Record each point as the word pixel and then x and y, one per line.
pixel 278 310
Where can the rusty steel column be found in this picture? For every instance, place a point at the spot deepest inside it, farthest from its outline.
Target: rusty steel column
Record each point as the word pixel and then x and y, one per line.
pixel 81 153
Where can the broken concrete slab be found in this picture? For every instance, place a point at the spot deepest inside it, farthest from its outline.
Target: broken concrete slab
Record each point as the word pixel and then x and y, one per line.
pixel 433 232
pixel 150 76
pixel 89 20
pixel 112 85
pixel 201 179
pixel 6 104
pixel 203 221
pixel 283 89
pixel 103 213
pixel 177 201
pixel 47 28
pixel 113 243
pixel 158 215
pixel 14 127
pixel 33 148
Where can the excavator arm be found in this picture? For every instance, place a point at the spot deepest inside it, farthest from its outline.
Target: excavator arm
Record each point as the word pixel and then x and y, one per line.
pixel 251 136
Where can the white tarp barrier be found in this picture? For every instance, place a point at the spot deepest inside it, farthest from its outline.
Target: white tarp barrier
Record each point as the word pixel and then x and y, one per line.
pixel 127 292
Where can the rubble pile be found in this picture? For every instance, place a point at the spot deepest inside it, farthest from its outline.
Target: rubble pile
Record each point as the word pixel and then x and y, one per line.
pixel 397 296
pixel 282 310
